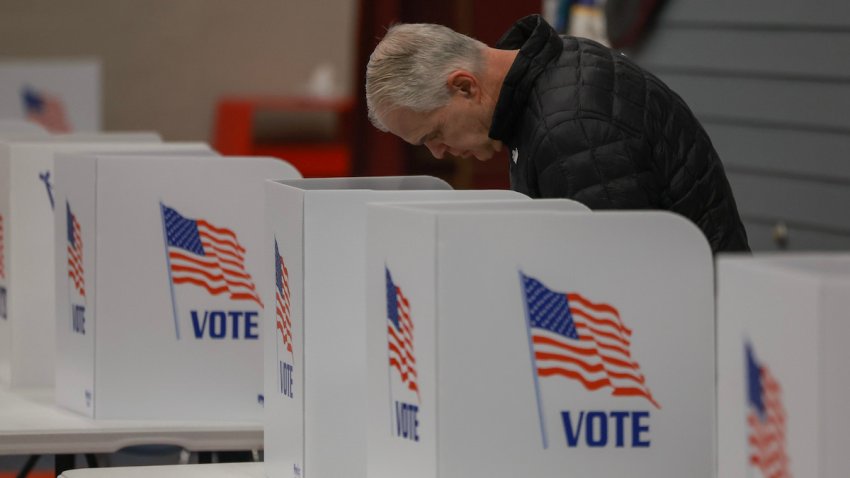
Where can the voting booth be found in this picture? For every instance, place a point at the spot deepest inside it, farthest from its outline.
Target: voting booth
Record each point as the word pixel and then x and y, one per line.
pixel 11 129
pixel 61 95
pixel 538 343
pixel 27 202
pixel 111 136
pixel 783 382
pixel 315 251
pixel 158 284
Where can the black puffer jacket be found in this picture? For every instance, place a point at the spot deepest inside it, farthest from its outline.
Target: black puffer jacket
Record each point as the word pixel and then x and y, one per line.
pixel 584 122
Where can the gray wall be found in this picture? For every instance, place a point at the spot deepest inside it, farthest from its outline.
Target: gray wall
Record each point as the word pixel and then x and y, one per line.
pixel 165 62
pixel 771 83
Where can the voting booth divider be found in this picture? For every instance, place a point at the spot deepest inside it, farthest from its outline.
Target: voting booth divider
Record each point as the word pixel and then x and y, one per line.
pixel 538 343
pixel 113 137
pixel 61 95
pixel 315 401
pixel 21 130
pixel 158 285
pixel 782 365
pixel 27 201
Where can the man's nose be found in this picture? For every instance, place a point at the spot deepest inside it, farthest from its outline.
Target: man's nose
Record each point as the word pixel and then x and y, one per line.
pixel 437 148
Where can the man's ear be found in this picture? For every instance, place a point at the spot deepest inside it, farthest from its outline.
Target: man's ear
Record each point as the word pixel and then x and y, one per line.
pixel 463 83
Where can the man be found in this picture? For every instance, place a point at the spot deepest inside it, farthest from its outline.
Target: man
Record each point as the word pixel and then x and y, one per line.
pixel 581 121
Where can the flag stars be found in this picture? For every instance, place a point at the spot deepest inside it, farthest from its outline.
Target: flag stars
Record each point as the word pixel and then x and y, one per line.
pixel 549 310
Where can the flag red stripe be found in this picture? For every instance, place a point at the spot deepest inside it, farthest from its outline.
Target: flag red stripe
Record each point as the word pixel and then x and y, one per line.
pixel 74 264
pixel 77 276
pixel 74 267
pixel 634 392
pixel 767 432
pixel 75 259
pixel 538 340
pixel 590 368
pixel 594 385
pixel 404 356
pixel 222 262
pixel 178 269
pixel 599 307
pixel 223 253
pixel 282 308
pixel 400 343
pixel 405 371
pixel 615 361
pixel 590 385
pixel 237 263
pixel 235 268
pixel 204 268
pixel 409 371
pixel 2 259
pixel 208 275
pixel 403 336
pixel 200 261
pixel 640 379
pixel 282 317
pixel 192 280
pixel 403 342
pixel 404 375
pixel 597 330
pixel 220 231
pixel 402 298
pixel 594 352
pixel 284 334
pixel 223 241
pixel 608 347
pixel 244 296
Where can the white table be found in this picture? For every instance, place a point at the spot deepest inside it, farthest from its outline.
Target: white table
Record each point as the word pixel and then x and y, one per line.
pixel 31 424
pixel 224 470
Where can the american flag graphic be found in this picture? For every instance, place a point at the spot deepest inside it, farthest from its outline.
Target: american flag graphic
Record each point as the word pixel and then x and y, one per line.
pixel 207 256
pixel 400 335
pixel 75 253
pixel 765 420
pixel 46 110
pixel 2 249
pixel 283 320
pixel 580 340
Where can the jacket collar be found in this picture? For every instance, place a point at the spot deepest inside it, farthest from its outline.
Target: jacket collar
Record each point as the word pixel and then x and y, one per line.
pixel 538 44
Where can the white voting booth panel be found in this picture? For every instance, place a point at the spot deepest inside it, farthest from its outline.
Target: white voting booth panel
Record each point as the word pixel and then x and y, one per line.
pixel 21 130
pixel 159 279
pixel 27 199
pixel 112 136
pixel 61 95
pixel 538 343
pixel 783 381
pixel 316 234
pixel 217 470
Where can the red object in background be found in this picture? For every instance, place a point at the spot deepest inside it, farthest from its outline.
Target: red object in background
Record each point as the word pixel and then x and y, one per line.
pixel 235 126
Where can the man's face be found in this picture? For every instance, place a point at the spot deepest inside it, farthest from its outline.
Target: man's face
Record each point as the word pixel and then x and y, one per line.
pixel 460 128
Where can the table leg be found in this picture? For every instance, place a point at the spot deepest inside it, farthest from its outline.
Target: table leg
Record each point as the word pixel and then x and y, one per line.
pixel 64 463
pixel 28 466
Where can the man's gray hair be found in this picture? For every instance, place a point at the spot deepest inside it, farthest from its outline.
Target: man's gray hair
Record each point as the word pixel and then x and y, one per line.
pixel 411 64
